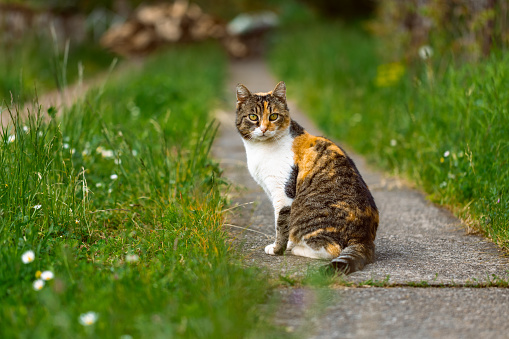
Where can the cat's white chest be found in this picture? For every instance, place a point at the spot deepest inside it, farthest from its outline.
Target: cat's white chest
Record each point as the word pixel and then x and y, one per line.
pixel 270 164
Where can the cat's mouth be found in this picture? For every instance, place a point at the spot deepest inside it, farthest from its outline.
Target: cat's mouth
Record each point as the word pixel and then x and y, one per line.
pixel 264 137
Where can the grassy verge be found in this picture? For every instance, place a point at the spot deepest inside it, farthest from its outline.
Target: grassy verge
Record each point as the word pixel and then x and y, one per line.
pixel 34 64
pixel 441 125
pixel 121 202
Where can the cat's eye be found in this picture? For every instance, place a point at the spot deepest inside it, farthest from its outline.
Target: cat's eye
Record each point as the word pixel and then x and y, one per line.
pixel 253 117
pixel 273 117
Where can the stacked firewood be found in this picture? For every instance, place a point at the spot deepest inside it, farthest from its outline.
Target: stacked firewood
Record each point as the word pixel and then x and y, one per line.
pixel 151 26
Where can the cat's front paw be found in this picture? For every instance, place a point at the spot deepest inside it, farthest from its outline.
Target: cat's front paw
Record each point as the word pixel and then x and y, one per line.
pixel 269 249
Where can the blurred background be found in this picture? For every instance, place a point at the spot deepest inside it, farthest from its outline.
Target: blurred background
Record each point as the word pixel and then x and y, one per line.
pixel 37 36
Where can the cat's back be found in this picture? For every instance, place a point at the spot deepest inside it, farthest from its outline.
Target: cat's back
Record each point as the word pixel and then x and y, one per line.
pixel 325 171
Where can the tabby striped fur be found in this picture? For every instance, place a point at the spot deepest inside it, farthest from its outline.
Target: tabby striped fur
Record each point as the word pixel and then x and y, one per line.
pixel 322 206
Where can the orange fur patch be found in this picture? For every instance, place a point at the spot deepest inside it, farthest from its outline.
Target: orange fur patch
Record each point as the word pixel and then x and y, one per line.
pixel 305 154
pixel 333 249
pixel 313 234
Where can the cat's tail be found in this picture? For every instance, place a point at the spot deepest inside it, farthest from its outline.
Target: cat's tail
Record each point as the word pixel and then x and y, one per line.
pixel 353 258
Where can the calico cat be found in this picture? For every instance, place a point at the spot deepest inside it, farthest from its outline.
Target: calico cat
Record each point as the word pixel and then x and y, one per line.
pixel 323 208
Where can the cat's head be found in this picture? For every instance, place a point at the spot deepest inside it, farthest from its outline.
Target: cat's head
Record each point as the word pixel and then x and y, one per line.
pixel 262 116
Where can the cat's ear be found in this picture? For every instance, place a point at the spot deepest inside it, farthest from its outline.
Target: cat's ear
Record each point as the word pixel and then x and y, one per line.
pixel 242 93
pixel 280 91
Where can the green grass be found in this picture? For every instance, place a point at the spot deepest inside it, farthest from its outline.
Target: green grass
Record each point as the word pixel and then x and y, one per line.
pixel 33 65
pixel 443 126
pixel 152 130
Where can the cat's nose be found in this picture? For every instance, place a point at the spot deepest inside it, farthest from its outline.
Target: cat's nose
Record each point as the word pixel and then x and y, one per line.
pixel 263 129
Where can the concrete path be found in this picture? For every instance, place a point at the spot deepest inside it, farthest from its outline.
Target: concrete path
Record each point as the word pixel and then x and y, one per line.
pixel 417 245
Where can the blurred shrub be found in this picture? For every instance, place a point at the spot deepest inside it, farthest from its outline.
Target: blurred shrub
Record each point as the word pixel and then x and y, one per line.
pixel 467 29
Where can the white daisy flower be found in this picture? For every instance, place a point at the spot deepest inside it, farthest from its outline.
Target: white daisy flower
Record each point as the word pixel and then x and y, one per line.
pixel 25 129
pixel 113 177
pixel 65 145
pixel 47 275
pixel 446 154
pixel 132 258
pixel 425 52
pixel 28 257
pixel 36 207
pixel 11 138
pixel 89 318
pixel 107 153
pixel 38 284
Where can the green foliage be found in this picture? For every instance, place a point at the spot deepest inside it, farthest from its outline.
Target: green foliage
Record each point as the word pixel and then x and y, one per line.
pixel 463 29
pixel 121 201
pixel 447 131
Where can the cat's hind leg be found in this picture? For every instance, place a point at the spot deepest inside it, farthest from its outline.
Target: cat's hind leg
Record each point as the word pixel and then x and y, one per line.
pixel 290 245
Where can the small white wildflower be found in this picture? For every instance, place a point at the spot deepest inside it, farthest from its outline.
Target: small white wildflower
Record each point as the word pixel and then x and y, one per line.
pixel 47 275
pixel 425 52
pixel 134 152
pixel 99 184
pixel 73 150
pixel 107 153
pixel 25 129
pixel 451 176
pixel 38 284
pixel 85 152
pixel 28 257
pixel 40 134
pixel 113 177
pixel 393 142
pixel 118 161
pixel 132 258
pixel 89 318
pixel 446 154
pixel 110 190
pixel 11 138
pixel 65 145
pixel 36 207
pixel 77 221
pixel 443 184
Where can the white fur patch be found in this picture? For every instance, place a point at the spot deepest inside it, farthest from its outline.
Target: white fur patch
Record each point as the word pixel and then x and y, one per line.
pixel 303 250
pixel 270 164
